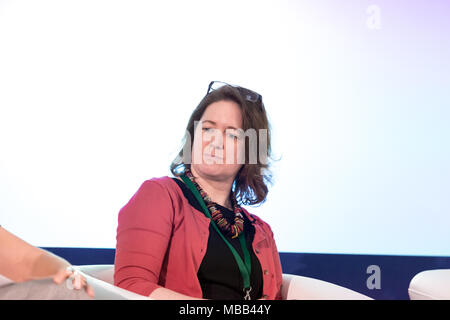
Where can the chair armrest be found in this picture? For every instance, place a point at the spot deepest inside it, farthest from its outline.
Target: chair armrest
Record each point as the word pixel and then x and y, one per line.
pixel 106 291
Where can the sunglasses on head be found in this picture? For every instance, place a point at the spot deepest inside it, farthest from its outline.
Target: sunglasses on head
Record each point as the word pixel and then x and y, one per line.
pixel 247 94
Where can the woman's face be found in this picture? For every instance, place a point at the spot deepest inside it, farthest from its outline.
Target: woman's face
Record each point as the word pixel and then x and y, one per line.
pixel 218 141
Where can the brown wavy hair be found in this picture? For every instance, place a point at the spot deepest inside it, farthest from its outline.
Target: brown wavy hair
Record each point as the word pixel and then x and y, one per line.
pixel 250 183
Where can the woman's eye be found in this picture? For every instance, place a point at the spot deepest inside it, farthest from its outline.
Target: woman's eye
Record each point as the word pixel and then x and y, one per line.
pixel 233 136
pixel 230 135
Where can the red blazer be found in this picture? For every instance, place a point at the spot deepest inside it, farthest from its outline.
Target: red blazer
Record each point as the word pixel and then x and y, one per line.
pixel 162 239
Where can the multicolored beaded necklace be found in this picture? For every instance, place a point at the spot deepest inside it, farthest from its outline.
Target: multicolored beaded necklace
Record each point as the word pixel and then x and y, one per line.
pixel 232 230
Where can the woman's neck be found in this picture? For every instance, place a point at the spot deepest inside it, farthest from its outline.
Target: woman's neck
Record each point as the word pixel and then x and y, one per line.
pixel 217 190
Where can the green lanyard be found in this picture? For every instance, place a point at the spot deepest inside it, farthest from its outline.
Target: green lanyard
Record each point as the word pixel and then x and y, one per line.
pixel 244 268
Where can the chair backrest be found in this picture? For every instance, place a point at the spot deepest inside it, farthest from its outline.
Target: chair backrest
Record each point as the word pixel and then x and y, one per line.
pixel 296 287
pixel 293 287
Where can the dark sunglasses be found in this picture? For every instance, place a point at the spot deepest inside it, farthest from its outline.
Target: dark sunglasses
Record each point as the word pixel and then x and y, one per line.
pixel 247 94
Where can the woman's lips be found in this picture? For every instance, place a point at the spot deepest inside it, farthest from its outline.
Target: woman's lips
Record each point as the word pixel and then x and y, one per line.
pixel 213 157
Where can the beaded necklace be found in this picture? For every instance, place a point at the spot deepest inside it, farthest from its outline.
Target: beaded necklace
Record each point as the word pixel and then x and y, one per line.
pixel 232 230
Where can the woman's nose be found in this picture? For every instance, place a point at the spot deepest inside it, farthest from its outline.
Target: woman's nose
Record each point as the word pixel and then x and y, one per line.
pixel 217 145
pixel 217 141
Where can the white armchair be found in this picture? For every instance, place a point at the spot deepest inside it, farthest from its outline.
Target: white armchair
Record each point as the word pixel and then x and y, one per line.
pixel 430 285
pixel 294 287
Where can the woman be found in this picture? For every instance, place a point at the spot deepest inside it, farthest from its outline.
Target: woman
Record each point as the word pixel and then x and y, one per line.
pixel 28 272
pixel 187 237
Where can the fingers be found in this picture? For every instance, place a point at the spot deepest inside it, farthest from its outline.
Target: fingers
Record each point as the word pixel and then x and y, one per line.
pixel 62 275
pixel 74 280
pixel 79 283
pixel 90 291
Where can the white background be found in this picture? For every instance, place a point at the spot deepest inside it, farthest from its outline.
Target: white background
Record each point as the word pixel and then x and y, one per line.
pixel 95 97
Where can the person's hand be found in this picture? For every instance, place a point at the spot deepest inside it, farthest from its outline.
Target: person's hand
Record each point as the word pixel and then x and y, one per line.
pixel 74 280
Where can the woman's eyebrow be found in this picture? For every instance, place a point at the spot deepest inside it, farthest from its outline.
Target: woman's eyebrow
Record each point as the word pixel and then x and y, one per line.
pixel 214 123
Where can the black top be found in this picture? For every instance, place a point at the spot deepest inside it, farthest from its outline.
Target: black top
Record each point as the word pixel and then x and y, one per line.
pixel 219 273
